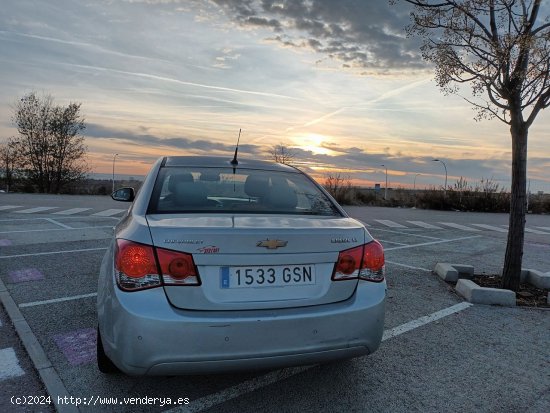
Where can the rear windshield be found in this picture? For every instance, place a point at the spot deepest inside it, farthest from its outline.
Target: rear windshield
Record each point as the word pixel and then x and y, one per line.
pixel 220 190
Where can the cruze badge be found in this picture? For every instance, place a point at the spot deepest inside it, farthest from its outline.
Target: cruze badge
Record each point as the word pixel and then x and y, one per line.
pixel 272 244
pixel 343 240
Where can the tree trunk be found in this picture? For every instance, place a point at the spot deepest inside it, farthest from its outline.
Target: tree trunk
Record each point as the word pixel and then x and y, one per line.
pixel 518 207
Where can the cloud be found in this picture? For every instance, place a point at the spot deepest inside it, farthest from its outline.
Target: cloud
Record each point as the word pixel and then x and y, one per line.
pixel 360 34
pixel 149 140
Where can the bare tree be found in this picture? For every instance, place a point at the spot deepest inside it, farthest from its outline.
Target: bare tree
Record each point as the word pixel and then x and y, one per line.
pixel 339 187
pixel 10 159
pixel 49 141
pixel 283 154
pixel 500 49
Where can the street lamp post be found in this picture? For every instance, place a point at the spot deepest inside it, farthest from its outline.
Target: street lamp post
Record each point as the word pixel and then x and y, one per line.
pixel 414 183
pixel 114 158
pixel 444 166
pixel 386 187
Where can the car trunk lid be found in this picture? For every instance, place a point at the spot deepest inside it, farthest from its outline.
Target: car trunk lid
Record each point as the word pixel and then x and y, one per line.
pixel 258 262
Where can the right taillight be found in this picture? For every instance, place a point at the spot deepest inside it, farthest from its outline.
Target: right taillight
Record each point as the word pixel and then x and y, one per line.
pixel 137 268
pixel 365 262
pixel 178 268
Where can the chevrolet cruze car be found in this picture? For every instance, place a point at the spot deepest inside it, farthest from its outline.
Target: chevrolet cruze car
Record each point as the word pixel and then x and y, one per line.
pixel 224 265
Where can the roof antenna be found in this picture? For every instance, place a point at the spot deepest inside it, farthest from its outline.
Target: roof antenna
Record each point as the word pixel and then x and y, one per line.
pixel 235 161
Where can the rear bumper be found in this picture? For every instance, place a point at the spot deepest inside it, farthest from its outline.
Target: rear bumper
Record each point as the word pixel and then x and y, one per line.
pixel 143 334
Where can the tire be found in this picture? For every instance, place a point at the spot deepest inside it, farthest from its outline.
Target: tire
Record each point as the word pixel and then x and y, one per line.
pixel 104 363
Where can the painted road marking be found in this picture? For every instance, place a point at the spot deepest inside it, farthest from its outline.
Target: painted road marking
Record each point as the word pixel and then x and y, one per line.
pixel 532 231
pixel 27 274
pixel 408 266
pixel 424 225
pixel 57 300
pixel 419 322
pixel 50 253
pixel 545 228
pixel 257 383
pixel 490 227
pixel 79 346
pixel 536 231
pixel 458 226
pixel 391 242
pixel 109 212
pixel 429 243
pixel 53 221
pixel 4 207
pixel 33 210
pixel 10 364
pixel 389 223
pixel 53 229
pixel 409 234
pixel 71 211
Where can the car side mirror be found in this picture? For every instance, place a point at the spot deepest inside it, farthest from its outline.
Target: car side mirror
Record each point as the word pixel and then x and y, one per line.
pixel 124 194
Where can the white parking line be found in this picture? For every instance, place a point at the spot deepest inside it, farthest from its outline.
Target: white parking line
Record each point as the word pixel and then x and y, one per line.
pixel 431 243
pixel 257 383
pixel 536 231
pixel 391 242
pixel 545 228
pixel 71 211
pixel 34 254
pixel 532 231
pixel 408 266
pixel 5 207
pixel 10 364
pixel 53 229
pixel 419 322
pixel 53 221
pixel 405 233
pixel 34 210
pixel 458 226
pixel 57 300
pixel 108 212
pixel 490 227
pixel 424 225
pixel 389 223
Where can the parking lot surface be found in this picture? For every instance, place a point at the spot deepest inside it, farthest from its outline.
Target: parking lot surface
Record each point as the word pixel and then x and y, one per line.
pixel 439 354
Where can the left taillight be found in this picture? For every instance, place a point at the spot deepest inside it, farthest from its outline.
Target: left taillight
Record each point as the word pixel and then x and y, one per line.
pixel 365 262
pixel 137 267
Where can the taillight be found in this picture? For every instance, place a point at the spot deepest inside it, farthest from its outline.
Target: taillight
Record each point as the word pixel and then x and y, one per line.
pixel 177 268
pixel 365 262
pixel 136 267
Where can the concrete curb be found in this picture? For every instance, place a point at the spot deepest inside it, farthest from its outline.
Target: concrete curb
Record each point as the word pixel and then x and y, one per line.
pixel 462 274
pixel 53 383
pixel 473 293
pixel 452 272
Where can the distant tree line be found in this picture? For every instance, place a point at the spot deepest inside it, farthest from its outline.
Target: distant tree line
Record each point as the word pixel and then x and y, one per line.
pixel 48 154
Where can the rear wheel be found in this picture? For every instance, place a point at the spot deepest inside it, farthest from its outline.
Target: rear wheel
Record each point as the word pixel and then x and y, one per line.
pixel 104 363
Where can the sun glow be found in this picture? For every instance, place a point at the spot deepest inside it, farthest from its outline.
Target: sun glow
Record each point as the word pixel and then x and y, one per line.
pixel 316 144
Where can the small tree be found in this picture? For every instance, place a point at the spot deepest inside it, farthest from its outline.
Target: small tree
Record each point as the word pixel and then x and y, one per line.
pixel 283 154
pixel 50 143
pixel 499 49
pixel 10 160
pixel 339 187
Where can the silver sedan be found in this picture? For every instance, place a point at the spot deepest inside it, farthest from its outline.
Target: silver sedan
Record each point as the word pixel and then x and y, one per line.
pixel 222 266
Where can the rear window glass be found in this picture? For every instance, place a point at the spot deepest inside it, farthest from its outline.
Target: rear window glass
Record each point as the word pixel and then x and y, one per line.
pixel 220 190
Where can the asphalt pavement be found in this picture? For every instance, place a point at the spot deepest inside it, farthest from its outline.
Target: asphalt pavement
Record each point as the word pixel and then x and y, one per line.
pixel 439 354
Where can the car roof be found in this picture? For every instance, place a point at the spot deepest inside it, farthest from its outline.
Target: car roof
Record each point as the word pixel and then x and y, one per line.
pixel 225 162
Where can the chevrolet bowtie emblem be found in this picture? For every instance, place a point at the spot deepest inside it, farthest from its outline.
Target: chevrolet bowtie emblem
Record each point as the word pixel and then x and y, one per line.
pixel 272 244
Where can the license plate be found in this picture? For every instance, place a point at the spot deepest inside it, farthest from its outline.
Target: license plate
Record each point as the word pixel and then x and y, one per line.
pixel 259 277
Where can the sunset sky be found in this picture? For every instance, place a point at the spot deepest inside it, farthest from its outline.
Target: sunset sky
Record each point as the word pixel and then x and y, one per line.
pixel 336 81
